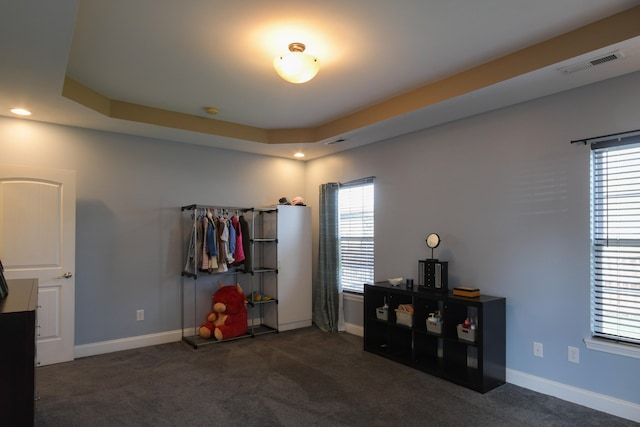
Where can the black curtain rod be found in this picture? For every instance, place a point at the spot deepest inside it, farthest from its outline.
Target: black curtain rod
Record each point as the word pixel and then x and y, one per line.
pixel 359 181
pixel 585 141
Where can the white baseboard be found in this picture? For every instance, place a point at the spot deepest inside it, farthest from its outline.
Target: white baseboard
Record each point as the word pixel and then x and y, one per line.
pixel 599 402
pixel 353 329
pixel 129 343
pixel 294 325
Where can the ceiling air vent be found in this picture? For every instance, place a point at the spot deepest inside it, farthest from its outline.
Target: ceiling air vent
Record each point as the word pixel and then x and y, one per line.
pixel 336 141
pixel 613 56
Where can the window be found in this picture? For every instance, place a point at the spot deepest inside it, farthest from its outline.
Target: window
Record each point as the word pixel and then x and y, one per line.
pixel 615 240
pixel 355 210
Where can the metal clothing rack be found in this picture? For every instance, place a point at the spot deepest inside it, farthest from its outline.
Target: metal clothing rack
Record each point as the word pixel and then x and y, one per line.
pixel 257 277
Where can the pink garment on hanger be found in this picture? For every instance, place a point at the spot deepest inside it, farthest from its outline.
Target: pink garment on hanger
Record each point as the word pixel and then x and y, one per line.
pixel 238 255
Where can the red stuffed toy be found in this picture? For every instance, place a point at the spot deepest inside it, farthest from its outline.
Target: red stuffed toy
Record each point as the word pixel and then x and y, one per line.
pixel 229 316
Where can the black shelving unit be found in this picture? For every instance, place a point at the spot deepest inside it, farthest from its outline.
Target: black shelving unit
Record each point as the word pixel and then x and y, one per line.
pixel 478 364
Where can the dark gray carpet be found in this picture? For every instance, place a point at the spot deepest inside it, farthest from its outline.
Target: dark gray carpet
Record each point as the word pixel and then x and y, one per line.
pixel 297 378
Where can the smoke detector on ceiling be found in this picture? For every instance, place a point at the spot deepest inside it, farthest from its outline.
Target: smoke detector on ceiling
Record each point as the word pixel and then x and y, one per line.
pixel 603 59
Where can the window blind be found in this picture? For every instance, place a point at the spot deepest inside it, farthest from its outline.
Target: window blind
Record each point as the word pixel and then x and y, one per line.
pixel 615 241
pixel 356 227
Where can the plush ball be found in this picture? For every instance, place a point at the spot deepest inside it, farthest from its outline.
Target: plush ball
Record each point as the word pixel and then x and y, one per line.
pixel 229 316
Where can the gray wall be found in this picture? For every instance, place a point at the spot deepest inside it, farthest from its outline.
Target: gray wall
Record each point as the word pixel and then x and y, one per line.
pixel 509 196
pixel 506 191
pixel 129 191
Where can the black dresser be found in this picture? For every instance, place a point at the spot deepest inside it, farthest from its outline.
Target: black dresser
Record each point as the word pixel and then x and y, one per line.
pixel 17 352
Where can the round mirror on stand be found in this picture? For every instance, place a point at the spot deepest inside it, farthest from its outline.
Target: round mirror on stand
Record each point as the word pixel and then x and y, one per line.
pixel 432 240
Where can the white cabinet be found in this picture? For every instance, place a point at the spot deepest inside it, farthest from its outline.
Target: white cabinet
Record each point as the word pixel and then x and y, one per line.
pixel 294 267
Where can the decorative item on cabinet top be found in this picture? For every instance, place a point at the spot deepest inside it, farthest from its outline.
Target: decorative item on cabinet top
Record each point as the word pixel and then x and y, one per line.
pixel 466 291
pixel 433 274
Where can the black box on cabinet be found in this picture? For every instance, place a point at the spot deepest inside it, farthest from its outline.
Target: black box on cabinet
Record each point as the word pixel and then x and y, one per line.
pixel 433 275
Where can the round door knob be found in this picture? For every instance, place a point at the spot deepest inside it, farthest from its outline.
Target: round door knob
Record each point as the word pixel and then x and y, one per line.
pixel 67 275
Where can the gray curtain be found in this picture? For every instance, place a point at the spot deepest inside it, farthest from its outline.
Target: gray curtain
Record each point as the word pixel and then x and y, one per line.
pixel 326 286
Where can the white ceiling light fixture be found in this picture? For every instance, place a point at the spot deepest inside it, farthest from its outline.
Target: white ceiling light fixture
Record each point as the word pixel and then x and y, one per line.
pixel 298 155
pixel 296 66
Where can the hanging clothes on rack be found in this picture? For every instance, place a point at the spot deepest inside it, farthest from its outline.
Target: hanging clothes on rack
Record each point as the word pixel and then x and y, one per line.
pixel 204 265
pixel 246 244
pixel 238 251
pixel 218 241
pixel 209 245
pixel 232 237
pixel 223 244
pixel 192 247
pixel 227 242
pixel 212 247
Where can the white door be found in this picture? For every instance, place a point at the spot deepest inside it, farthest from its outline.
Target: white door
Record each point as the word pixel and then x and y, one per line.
pixel 37 240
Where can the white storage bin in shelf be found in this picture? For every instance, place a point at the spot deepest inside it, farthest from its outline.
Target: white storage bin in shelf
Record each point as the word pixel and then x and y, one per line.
pixel 434 326
pixel 466 334
pixel 404 318
pixel 382 313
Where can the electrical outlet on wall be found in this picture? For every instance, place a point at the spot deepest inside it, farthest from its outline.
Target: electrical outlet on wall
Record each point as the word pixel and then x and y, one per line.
pixel 139 314
pixel 537 349
pixel 573 354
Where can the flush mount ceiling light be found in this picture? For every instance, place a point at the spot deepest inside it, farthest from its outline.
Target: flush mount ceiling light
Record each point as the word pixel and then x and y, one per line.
pixel 297 66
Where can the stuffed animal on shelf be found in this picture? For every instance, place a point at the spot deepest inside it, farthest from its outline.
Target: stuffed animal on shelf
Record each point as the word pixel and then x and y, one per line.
pixel 229 316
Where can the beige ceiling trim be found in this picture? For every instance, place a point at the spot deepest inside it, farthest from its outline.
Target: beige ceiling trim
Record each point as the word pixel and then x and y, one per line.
pixel 156 116
pixel 86 96
pixel 144 114
pixel 600 34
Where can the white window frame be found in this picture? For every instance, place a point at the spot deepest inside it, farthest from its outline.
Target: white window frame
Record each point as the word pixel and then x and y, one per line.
pixel 615 247
pixel 356 234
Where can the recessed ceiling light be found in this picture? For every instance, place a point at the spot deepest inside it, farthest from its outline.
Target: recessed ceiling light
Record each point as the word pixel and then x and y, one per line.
pixel 211 110
pixel 21 111
pixel 299 155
